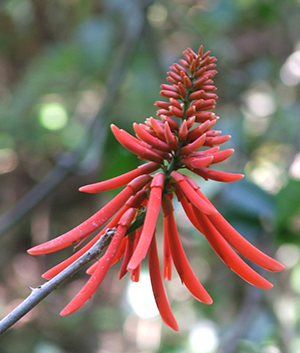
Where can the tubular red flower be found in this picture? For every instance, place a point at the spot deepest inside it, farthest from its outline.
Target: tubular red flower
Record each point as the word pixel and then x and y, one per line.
pixel 180 261
pixel 93 223
pixel 167 257
pixel 162 105
pixel 170 94
pixel 207 173
pixel 175 103
pixel 197 162
pixel 200 130
pixel 172 123
pixel 183 131
pixel 193 146
pixel 217 140
pixel 191 194
pixel 128 253
pixel 64 264
pixel 151 140
pixel 221 155
pixel 243 246
pixel 135 274
pixel 170 137
pixel 103 265
pixel 225 252
pixel 158 128
pixel 201 117
pixel 158 288
pixel 120 180
pixel 150 221
pixel 176 112
pixel 169 87
pixel 182 90
pixel 134 146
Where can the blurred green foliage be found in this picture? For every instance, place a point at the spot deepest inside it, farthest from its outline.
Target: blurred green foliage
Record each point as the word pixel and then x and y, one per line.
pixel 60 53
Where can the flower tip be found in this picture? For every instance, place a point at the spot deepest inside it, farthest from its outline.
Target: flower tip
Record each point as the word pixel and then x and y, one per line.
pixel 174 326
pixel 68 310
pixel 90 188
pixel 113 128
pixel 84 188
pixel 35 251
pixel 65 312
pixel 278 267
pixel 132 266
pixel 209 301
pixel 46 276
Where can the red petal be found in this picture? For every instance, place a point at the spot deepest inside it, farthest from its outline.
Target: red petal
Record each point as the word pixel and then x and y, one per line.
pixel 207 173
pixel 191 194
pixel 150 221
pixel 127 255
pixel 134 145
pixel 167 258
pixel 243 246
pixel 180 260
pixel 103 266
pixel 158 288
pixel 94 222
pixel 228 255
pixel 120 180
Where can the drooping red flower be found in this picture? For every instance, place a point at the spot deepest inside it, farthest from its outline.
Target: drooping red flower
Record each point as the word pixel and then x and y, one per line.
pixel 170 143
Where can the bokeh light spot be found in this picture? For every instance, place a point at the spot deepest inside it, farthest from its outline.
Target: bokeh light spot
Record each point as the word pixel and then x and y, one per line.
pixel 290 71
pixel 261 104
pixel 271 349
pixel 288 254
pixel 203 338
pixel 53 116
pixel 141 298
pixel 157 14
pixel 8 160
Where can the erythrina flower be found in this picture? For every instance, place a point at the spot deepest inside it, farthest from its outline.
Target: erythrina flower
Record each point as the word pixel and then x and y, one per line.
pixel 170 143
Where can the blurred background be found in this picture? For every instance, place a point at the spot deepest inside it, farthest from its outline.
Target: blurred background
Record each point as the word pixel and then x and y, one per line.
pixel 69 68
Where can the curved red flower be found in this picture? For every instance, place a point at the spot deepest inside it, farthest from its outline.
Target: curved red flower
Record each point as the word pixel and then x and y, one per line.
pixel 169 146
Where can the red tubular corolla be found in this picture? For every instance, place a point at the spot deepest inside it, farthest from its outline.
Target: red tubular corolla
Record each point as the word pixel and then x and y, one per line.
pixel 180 260
pixel 150 221
pixel 120 180
pixel 103 265
pixel 191 194
pixel 158 288
pixel 93 223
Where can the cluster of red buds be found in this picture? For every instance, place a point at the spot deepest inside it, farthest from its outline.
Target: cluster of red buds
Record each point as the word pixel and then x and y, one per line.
pixel 170 144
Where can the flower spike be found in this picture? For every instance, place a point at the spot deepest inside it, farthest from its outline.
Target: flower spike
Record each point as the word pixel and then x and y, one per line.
pixel 183 136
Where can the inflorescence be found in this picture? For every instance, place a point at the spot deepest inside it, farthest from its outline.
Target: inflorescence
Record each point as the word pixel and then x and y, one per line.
pixel 183 138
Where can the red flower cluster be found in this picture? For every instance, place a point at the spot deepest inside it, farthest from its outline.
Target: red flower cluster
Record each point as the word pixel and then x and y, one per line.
pixel 170 143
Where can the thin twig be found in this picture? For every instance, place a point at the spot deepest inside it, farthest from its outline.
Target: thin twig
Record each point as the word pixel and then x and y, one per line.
pixel 42 291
